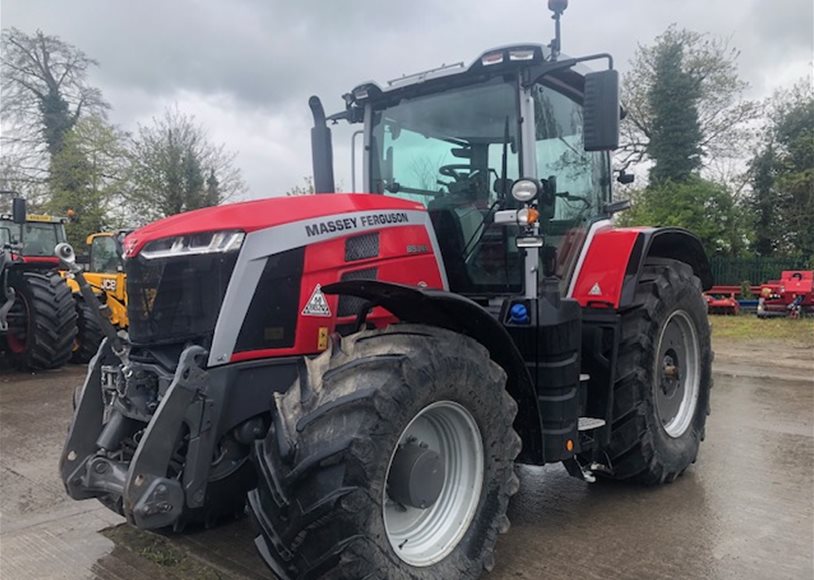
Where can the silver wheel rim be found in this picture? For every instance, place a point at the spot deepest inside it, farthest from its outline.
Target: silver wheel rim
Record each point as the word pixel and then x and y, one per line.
pixel 423 537
pixel 677 374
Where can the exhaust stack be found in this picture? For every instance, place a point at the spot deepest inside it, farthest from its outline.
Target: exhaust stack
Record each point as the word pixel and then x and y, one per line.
pixel 322 155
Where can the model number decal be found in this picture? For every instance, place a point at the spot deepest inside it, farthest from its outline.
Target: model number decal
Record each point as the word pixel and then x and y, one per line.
pixel 353 223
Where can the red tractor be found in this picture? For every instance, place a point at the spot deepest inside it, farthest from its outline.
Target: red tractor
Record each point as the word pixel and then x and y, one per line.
pixel 37 314
pixel 369 367
pixel 791 296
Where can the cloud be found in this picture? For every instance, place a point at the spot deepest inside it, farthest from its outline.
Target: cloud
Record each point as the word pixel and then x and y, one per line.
pixel 245 68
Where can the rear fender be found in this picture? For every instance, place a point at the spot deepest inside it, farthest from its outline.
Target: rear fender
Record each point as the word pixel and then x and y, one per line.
pixel 611 266
pixel 457 313
pixel 667 243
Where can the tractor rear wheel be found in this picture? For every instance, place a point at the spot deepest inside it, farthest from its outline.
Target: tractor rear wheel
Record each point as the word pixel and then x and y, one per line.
pixel 42 321
pixel 661 394
pixel 392 456
pixel 89 335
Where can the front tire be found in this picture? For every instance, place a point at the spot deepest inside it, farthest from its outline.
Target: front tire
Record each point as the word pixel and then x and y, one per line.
pixel 325 503
pixel 664 376
pixel 42 321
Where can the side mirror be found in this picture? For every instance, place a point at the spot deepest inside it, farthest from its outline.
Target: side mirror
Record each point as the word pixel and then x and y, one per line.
pixel 601 110
pixel 548 197
pixel 18 210
pixel 625 178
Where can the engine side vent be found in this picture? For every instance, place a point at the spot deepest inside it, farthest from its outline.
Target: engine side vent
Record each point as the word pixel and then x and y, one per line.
pixel 362 247
pixel 351 305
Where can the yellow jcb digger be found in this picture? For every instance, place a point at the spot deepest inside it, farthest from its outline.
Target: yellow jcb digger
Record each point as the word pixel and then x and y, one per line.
pixel 105 274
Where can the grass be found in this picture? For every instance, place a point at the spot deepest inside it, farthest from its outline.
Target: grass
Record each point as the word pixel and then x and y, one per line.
pixel 750 327
pixel 161 551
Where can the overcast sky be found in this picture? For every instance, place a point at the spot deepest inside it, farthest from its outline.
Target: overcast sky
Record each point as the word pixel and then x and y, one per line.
pixel 245 68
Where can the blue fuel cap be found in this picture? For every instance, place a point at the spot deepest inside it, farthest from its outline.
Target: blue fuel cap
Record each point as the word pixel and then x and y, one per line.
pixel 519 314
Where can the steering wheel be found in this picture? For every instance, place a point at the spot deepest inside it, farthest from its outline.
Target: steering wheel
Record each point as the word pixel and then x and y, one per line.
pixel 453 171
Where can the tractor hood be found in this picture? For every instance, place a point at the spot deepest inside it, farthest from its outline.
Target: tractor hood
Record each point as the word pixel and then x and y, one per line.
pixel 256 215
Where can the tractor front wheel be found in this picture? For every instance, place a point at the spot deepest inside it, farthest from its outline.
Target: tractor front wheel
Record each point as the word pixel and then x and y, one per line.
pixel 391 457
pixel 664 376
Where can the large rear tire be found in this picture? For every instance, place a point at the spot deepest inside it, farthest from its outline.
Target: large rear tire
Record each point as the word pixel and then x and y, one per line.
pixel 42 321
pixel 664 376
pixel 89 335
pixel 328 471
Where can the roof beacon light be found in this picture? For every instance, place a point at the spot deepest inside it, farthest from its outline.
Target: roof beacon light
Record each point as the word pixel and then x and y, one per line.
pixel 557 7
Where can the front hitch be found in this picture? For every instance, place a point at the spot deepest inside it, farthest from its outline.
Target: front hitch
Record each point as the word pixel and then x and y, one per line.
pixel 150 498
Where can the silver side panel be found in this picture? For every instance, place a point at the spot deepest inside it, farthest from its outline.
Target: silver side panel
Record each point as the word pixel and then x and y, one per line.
pixel 259 245
pixel 595 227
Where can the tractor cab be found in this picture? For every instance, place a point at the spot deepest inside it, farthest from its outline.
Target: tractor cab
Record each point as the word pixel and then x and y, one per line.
pixel 35 239
pixel 105 252
pixel 463 140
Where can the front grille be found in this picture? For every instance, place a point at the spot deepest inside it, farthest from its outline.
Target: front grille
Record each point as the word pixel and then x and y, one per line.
pixel 362 247
pixel 176 299
pixel 352 305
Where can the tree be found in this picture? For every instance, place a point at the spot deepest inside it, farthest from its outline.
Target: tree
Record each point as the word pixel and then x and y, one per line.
pixel 675 135
pixel 307 188
pixel 45 89
pixel 782 176
pixel 174 167
pixel 703 207
pixel 87 176
pixel 764 201
pixel 708 71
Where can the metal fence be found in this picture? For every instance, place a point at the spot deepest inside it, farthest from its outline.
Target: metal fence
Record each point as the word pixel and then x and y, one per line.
pixel 730 271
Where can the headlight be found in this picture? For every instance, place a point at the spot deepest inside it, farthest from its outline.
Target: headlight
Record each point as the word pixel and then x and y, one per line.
pixel 524 190
pixel 191 244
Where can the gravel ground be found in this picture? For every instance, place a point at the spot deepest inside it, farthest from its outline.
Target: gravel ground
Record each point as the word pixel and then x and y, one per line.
pixel 744 510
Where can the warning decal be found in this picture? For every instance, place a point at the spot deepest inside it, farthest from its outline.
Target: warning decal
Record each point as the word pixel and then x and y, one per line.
pixel 595 290
pixel 317 305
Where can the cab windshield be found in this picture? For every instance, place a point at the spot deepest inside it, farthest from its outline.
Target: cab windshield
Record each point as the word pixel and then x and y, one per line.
pixel 457 153
pixel 104 255
pixel 37 238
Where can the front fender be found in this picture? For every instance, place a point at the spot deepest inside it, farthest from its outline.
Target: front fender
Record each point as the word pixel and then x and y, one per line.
pixel 460 314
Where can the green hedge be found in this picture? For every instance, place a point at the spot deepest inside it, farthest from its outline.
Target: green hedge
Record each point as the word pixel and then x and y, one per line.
pixel 755 270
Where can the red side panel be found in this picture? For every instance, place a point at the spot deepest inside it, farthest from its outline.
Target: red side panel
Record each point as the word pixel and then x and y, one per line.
pixel 600 279
pixel 250 216
pixel 325 263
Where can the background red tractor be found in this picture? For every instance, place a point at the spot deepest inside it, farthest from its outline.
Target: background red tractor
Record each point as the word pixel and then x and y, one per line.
pixel 369 367
pixel 37 315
